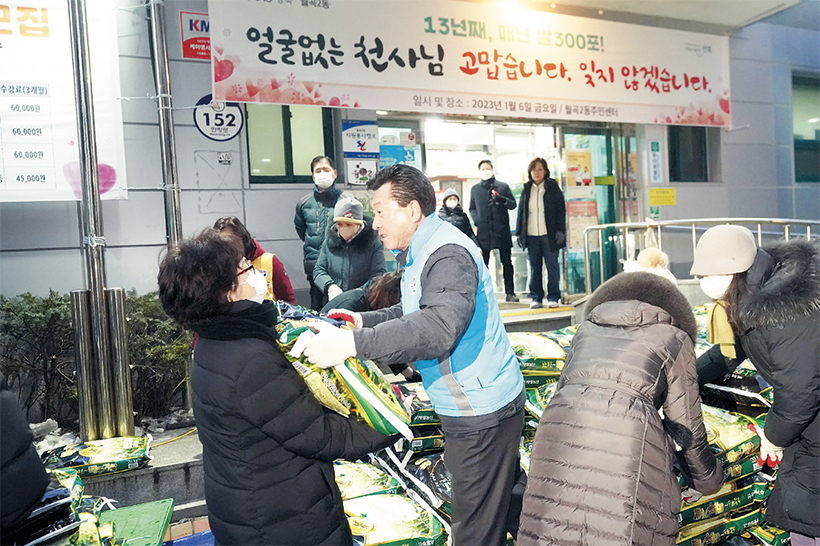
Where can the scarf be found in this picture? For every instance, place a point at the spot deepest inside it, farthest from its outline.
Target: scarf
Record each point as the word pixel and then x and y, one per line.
pixel 245 319
pixel 718 330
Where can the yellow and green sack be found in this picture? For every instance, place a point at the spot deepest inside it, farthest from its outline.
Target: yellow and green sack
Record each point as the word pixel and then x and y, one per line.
pixel 392 520
pixel 100 456
pixel 359 479
pixel 355 388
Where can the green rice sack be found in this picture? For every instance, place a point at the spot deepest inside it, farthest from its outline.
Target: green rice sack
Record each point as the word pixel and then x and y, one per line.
pixel 716 530
pixel 100 456
pixel 359 479
pixel 730 434
pixel 392 520
pixel 533 380
pixel 537 352
pixel 770 535
pixel 355 388
pixel 417 404
pixel 426 438
pixel 731 497
pixel 537 399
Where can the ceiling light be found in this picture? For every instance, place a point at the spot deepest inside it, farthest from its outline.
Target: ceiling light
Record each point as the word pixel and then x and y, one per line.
pixel 814 120
pixel 553 6
pixel 382 112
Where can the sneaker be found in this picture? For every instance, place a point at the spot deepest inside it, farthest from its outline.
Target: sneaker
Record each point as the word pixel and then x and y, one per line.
pixel 552 304
pixel 512 297
pixel 536 305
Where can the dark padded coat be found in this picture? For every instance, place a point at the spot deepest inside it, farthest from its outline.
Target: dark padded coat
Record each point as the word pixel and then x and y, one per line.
pixel 491 215
pixel 314 215
pixel 601 466
pixel 268 447
pixel 780 312
pixel 458 218
pixel 349 265
pixel 23 478
pixel 555 214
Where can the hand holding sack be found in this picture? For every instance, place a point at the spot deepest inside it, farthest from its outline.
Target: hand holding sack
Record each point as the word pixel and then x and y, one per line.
pixel 350 317
pixel 770 454
pixel 330 347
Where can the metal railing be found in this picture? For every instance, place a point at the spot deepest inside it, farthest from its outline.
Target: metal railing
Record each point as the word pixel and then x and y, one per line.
pixel 651 234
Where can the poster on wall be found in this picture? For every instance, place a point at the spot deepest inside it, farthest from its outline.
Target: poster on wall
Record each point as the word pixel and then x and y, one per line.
pixel 359 171
pixel 39 148
pixel 579 167
pixel 196 40
pixel 581 214
pixel 468 58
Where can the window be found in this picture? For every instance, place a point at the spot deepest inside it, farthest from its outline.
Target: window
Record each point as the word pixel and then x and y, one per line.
pixel 806 118
pixel 688 157
pixel 283 139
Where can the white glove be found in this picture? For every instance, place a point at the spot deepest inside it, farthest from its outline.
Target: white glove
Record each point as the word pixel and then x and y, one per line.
pixel 333 291
pixel 344 314
pixel 330 347
pixel 770 454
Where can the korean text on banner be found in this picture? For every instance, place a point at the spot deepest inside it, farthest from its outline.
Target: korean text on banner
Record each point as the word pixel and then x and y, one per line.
pixel 446 56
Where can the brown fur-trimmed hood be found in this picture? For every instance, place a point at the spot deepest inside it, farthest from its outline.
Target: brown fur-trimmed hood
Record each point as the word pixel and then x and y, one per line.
pixel 650 289
pixel 783 284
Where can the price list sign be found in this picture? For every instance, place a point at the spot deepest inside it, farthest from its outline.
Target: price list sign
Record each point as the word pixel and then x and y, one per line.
pixel 25 137
pixel 39 152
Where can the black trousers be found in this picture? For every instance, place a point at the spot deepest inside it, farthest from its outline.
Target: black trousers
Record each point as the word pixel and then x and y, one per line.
pixel 485 467
pixel 505 255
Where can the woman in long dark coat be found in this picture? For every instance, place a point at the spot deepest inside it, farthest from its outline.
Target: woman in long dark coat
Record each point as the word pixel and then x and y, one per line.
pixel 601 466
pixel 267 445
pixel 772 302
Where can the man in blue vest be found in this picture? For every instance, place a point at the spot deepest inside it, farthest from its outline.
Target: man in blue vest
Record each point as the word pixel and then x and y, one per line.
pixel 448 322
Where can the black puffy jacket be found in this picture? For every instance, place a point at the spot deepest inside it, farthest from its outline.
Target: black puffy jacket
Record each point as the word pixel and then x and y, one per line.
pixel 601 466
pixel 268 446
pixel 555 214
pixel 23 478
pixel 313 218
pixel 491 215
pixel 458 218
pixel 780 313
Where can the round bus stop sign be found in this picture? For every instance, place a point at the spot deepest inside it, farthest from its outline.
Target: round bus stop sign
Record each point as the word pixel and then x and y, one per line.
pixel 218 120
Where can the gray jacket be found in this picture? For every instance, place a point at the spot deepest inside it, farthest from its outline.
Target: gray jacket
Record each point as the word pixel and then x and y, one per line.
pixel 601 466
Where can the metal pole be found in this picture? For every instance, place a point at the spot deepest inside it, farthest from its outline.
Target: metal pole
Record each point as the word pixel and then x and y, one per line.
pixel 173 218
pixel 84 363
pixel 121 371
pixel 93 241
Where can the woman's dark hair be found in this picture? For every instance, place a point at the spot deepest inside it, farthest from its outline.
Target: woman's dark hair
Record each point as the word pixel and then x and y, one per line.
pixel 318 158
pixel 408 184
pixel 737 288
pixel 195 277
pixel 238 228
pixel 384 291
pixel 536 161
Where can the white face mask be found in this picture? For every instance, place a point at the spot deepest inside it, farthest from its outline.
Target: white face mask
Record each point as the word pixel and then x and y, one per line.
pixel 451 203
pixel 715 286
pixel 257 281
pixel 323 180
pixel 486 174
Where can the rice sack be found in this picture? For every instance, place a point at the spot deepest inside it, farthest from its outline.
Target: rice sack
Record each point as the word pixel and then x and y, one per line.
pixel 417 404
pixel 392 520
pixel 100 456
pixel 359 479
pixel 355 388
pixel 537 353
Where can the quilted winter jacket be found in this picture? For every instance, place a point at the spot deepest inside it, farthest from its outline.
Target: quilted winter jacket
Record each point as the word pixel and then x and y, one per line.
pixel 458 218
pixel 601 466
pixel 781 314
pixel 268 447
pixel 314 214
pixel 349 265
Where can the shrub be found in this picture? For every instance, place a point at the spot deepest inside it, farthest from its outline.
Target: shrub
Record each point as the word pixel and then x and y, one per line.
pixel 37 355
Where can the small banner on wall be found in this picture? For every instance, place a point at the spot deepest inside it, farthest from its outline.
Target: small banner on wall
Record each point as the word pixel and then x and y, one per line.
pixel 39 148
pixel 447 56
pixel 196 40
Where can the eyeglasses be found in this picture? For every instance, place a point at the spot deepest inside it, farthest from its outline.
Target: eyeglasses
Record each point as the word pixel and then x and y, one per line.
pixel 245 265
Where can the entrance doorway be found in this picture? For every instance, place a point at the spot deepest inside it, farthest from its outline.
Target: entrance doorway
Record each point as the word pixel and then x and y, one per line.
pixel 452 148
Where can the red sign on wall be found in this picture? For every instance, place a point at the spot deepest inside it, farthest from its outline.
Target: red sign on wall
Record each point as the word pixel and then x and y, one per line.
pixel 196 40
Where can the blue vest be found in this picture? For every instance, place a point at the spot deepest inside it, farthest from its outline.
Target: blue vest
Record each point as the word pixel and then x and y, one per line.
pixel 480 374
